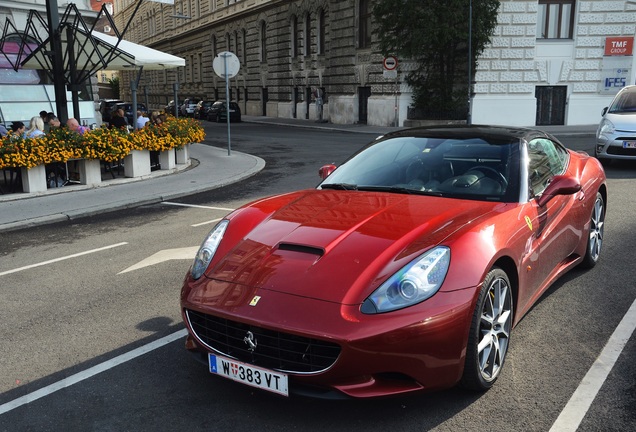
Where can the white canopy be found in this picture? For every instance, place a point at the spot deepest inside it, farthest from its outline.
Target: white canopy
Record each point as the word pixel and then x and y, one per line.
pixel 91 52
pixel 138 55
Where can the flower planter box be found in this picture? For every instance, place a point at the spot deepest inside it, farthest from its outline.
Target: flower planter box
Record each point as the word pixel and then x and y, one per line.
pixel 167 159
pixel 137 163
pixel 183 154
pixel 90 171
pixel 34 179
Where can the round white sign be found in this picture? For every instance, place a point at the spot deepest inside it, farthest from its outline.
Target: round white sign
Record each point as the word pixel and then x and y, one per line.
pixel 390 63
pixel 226 61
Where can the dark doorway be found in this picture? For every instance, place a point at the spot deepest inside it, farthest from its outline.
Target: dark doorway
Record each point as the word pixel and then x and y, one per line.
pixel 551 102
pixel 264 99
pixel 307 101
pixel 363 99
pixel 294 102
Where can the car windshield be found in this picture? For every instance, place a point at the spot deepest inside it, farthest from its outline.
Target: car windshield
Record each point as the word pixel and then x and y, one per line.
pixel 624 103
pixel 481 168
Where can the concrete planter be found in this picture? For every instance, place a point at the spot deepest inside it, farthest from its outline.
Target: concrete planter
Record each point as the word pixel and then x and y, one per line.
pixel 167 159
pixel 90 171
pixel 137 163
pixel 183 154
pixel 34 179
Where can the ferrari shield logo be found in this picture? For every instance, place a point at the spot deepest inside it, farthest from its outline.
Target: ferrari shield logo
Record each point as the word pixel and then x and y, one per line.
pixel 255 300
pixel 528 221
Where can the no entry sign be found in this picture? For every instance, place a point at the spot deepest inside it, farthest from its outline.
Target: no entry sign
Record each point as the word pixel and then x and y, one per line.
pixel 390 63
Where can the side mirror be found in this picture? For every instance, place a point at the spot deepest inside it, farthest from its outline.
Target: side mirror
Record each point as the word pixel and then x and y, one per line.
pixel 326 171
pixel 603 111
pixel 560 185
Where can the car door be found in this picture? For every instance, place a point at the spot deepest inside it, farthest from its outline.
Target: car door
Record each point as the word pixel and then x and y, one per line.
pixel 553 235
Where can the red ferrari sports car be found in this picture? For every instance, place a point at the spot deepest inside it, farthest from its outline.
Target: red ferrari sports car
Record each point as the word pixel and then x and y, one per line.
pixel 406 269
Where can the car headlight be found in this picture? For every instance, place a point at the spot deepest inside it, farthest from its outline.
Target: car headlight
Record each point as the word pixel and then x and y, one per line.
pixel 414 283
pixel 606 128
pixel 208 249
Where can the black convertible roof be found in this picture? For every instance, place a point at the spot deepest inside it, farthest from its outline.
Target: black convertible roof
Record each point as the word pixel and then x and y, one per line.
pixel 488 133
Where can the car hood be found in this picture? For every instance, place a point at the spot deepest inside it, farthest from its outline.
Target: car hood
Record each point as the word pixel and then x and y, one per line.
pixel 625 122
pixel 339 246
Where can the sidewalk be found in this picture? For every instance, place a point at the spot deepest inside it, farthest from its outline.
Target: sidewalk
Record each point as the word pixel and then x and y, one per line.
pixel 211 168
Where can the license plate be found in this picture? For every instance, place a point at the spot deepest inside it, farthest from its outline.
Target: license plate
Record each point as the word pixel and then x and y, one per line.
pixel 247 374
pixel 629 144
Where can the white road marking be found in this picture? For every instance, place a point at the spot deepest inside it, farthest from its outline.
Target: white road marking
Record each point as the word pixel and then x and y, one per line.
pixel 578 405
pixel 197 206
pixel 88 373
pixel 165 255
pixel 61 259
pixel 206 223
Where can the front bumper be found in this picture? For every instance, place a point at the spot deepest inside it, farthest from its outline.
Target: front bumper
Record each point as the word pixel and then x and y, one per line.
pixel 418 348
pixel 614 147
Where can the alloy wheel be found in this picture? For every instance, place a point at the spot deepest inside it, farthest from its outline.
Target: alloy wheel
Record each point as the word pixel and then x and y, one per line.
pixel 494 329
pixel 597 225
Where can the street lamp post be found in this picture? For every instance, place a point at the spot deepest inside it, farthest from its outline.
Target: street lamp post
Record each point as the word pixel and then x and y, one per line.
pixel 57 61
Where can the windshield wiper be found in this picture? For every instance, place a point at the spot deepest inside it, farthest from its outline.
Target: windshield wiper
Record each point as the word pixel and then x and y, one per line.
pixel 339 186
pixel 399 189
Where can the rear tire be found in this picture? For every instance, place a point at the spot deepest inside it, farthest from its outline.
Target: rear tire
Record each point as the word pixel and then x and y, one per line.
pixel 595 235
pixel 489 335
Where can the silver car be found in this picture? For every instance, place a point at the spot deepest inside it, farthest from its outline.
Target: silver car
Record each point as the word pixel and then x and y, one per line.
pixel 616 135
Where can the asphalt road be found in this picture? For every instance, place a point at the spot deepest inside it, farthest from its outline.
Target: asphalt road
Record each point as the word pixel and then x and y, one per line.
pixel 92 334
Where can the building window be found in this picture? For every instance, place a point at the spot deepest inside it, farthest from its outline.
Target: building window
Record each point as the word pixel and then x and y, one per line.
pixel 293 31
pixel 555 19
pixel 244 46
pixel 200 68
pixel 307 35
pixel 263 38
pixel 321 32
pixel 364 24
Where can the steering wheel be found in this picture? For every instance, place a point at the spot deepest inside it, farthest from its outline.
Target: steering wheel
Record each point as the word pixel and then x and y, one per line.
pixel 498 176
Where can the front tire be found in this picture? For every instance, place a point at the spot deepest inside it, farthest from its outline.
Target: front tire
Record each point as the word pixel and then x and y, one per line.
pixel 489 332
pixel 595 236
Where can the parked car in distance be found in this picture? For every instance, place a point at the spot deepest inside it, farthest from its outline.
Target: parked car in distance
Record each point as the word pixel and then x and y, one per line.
pixel 405 270
pixel 128 111
pixel 201 111
pixel 616 134
pixel 218 112
pixel 106 107
pixel 189 106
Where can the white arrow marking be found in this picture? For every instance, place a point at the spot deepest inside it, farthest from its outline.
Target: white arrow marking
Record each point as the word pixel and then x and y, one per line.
pixel 165 255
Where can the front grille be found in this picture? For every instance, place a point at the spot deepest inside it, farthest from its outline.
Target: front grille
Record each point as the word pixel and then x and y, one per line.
pixel 274 350
pixel 615 150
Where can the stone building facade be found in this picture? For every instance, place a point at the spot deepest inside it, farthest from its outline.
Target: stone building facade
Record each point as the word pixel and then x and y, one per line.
pixel 546 64
pixel 540 70
pixel 287 50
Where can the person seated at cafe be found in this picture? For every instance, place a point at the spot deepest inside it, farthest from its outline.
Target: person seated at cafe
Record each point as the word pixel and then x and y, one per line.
pixel 118 120
pixel 36 128
pixel 45 119
pixel 155 119
pixel 3 130
pixel 73 125
pixel 141 120
pixel 17 129
pixel 54 122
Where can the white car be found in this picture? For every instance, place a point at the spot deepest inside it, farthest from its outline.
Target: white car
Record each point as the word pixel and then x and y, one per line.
pixel 616 135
